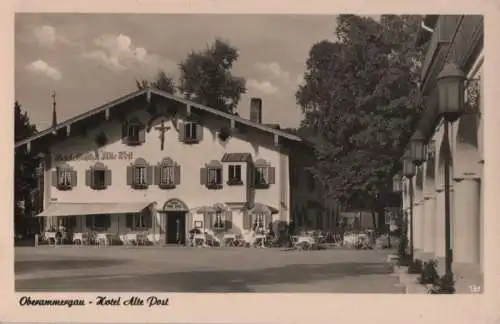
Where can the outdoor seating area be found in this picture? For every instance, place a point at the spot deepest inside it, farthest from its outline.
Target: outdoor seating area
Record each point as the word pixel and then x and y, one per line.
pixel 93 238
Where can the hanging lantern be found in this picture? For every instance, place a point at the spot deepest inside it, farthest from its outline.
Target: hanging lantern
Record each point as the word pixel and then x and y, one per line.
pixel 418 148
pixel 396 183
pixel 451 90
pixel 408 166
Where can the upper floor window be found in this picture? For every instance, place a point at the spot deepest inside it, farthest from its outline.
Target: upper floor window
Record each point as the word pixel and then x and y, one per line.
pixel 167 174
pixel 234 176
pixel 98 177
pixel 139 174
pixel 211 175
pixel 64 177
pixel 264 174
pixel 190 132
pixel 133 132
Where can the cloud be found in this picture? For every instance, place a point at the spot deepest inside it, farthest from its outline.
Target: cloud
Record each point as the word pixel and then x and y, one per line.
pixel 265 87
pixel 274 70
pixel 46 35
pixel 118 53
pixel 43 68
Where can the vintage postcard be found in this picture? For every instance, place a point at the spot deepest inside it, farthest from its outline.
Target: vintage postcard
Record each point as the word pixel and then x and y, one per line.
pixel 200 166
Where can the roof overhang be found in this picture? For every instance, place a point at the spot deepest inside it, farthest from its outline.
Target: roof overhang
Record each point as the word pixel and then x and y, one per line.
pixel 146 95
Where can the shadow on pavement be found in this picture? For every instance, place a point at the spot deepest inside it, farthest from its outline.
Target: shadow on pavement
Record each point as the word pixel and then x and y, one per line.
pixel 207 281
pixel 40 265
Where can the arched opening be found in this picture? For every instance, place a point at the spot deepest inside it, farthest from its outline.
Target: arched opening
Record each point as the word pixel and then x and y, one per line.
pixel 467 146
pixel 177 225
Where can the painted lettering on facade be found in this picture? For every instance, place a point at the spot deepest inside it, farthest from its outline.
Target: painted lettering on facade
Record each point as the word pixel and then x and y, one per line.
pixel 95 156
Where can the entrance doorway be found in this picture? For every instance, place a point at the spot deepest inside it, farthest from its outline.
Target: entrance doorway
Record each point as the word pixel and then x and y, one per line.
pixel 176 227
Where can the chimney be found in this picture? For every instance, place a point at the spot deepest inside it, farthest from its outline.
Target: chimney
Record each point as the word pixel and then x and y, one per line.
pixel 256 110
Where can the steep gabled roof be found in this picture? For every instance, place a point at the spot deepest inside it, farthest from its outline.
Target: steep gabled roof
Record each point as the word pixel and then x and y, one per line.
pixel 147 93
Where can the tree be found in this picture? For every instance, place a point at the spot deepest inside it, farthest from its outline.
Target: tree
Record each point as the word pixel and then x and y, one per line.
pixel 162 82
pixel 25 179
pixel 207 79
pixel 360 98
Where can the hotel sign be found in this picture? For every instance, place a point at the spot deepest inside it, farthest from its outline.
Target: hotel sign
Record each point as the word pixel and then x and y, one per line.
pixel 95 156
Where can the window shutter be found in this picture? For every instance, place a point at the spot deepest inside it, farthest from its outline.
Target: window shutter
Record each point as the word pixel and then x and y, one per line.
pixel 199 132
pixel 130 221
pixel 246 220
pixel 157 174
pixel 124 132
pixel 54 178
pixel 271 173
pixel 177 174
pixel 107 178
pixel 142 134
pixel 130 175
pixel 89 221
pixel 203 176
pixel 221 175
pixel 182 132
pixel 229 219
pixel 74 179
pixel 207 220
pixel 149 175
pixel 88 178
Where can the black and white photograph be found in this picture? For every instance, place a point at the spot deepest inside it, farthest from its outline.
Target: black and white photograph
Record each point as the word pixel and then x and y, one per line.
pixel 248 153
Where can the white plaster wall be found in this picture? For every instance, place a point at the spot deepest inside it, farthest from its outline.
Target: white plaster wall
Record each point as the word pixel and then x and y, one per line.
pixel 190 157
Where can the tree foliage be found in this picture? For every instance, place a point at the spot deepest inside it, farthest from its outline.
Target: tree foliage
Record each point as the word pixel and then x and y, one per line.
pixel 162 82
pixel 206 77
pixel 25 179
pixel 360 100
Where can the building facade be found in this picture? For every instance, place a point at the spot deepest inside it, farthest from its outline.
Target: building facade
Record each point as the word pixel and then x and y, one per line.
pixel 152 162
pixel 458 39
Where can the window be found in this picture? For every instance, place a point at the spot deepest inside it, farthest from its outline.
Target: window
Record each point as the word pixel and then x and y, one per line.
pixel 264 174
pixel 167 174
pixel 219 221
pixel 190 132
pixel 234 175
pixel 98 222
pixel 98 177
pixel 211 175
pixel 139 221
pixel 139 174
pixel 64 178
pixel 215 176
pixel 133 132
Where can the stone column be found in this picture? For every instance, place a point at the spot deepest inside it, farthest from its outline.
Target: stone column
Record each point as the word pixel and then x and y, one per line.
pixel 440 243
pixel 429 224
pixel 417 225
pixel 466 222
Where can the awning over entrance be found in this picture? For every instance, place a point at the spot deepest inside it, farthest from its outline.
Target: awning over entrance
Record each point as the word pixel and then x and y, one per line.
pixel 75 209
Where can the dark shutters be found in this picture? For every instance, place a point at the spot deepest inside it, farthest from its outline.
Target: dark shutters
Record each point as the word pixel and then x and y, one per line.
pixel 177 174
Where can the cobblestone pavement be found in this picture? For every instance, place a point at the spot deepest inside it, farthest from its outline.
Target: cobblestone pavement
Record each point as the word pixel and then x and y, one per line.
pixel 170 269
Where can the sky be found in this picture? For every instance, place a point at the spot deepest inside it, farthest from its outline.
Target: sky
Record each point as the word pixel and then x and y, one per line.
pixel 90 59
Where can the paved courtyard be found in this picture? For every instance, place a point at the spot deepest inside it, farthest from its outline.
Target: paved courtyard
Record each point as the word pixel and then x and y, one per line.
pixel 171 269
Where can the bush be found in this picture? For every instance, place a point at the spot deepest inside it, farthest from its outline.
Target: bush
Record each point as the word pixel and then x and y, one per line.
pixel 445 285
pixel 429 274
pixel 415 267
pixel 404 260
